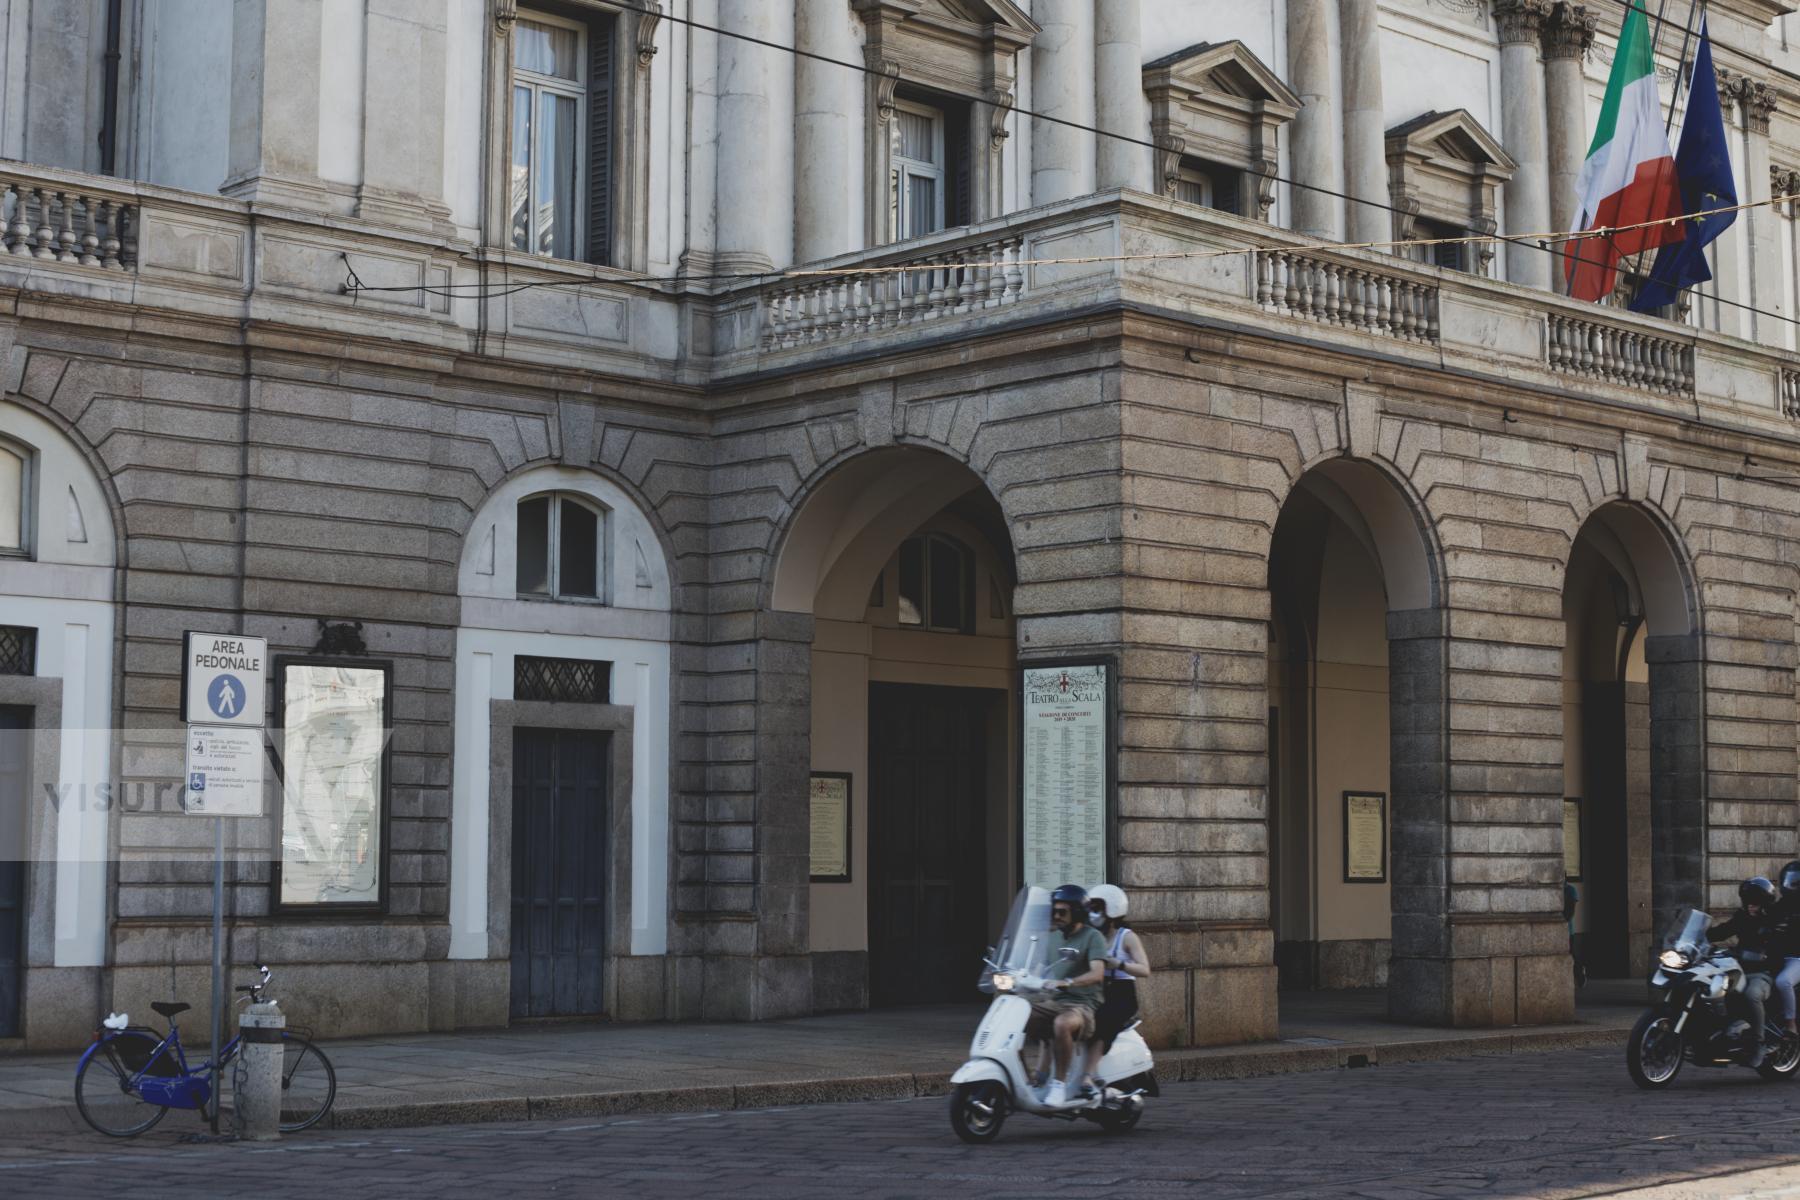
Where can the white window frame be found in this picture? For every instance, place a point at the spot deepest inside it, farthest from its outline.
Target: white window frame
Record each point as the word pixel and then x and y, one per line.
pixel 553 549
pixel 904 167
pixel 1200 179
pixel 27 499
pixel 537 85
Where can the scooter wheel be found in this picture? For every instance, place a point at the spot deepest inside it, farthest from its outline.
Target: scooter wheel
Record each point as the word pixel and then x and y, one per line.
pixel 1783 1061
pixel 977 1110
pixel 1120 1120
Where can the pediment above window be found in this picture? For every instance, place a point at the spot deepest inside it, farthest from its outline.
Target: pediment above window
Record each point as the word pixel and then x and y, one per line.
pixel 1221 103
pixel 967 47
pixel 1447 169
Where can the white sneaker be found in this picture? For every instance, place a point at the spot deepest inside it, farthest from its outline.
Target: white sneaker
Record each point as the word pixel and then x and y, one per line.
pixel 1055 1096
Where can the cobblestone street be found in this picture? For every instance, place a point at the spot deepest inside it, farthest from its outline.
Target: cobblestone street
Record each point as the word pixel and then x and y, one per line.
pixel 1540 1125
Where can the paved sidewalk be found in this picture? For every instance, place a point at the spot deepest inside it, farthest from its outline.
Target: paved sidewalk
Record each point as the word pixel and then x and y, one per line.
pixel 563 1070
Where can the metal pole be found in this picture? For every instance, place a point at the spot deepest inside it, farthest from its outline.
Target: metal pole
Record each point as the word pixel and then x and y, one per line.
pixel 218 963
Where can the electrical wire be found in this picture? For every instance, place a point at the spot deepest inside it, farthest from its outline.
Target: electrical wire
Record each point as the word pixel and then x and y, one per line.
pixel 1544 243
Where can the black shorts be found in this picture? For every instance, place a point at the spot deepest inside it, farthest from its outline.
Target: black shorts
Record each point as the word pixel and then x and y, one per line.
pixel 1116 1011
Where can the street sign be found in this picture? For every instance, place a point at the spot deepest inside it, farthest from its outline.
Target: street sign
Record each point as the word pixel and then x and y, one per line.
pixel 224 771
pixel 224 679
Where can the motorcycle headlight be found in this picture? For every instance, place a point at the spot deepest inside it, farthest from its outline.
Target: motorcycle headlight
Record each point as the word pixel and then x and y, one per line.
pixel 1675 960
pixel 1003 983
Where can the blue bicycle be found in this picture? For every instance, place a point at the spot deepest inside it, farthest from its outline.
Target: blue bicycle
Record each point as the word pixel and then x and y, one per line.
pixel 131 1077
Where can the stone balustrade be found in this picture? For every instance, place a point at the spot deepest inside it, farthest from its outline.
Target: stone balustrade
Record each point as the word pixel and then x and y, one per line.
pixel 1617 354
pixel 1790 394
pixel 60 223
pixel 847 303
pixel 1347 293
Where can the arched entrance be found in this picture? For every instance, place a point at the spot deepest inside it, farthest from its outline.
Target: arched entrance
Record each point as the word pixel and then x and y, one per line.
pixel 903 560
pixel 1350 568
pixel 1632 812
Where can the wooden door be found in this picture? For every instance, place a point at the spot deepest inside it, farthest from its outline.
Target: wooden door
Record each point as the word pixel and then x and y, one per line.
pixel 559 844
pixel 15 779
pixel 928 805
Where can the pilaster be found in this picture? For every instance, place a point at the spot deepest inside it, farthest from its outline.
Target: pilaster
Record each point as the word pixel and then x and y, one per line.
pixel 1316 146
pixel 1062 85
pixel 1522 84
pixel 1767 270
pixel 1119 96
pixel 1566 37
pixel 754 187
pixel 274 156
pixel 1365 123
pixel 403 114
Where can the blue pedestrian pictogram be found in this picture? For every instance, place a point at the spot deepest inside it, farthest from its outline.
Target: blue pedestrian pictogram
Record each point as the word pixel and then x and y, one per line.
pixel 226 696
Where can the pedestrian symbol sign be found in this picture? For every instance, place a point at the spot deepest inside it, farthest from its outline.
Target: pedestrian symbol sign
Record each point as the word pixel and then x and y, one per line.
pixel 225 676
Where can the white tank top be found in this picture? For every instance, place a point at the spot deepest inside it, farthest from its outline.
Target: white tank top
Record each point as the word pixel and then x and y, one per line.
pixel 1118 951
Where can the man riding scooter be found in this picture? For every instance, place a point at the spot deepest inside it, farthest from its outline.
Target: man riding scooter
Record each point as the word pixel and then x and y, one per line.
pixel 1755 926
pixel 1078 967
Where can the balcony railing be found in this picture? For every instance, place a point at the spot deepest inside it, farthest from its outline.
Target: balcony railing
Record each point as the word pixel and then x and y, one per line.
pixel 66 224
pixel 1619 355
pixel 1348 294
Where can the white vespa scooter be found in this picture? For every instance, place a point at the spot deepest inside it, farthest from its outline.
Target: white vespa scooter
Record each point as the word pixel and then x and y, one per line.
pixel 997 1079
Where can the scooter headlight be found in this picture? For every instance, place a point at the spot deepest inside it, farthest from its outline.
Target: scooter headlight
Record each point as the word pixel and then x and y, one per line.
pixel 1003 983
pixel 1675 960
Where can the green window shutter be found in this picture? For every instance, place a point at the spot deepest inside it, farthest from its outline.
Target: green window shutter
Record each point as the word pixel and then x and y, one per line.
pixel 600 140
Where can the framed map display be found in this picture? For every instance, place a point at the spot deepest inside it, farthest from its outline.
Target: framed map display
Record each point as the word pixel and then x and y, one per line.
pixel 1365 837
pixel 332 831
pixel 1066 773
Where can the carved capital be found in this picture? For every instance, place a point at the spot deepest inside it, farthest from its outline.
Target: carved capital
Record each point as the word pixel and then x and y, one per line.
pixel 999 107
pixel 1169 150
pixel 1521 20
pixel 506 12
pixel 1569 31
pixel 647 23
pixel 1758 99
pixel 1730 84
pixel 1784 181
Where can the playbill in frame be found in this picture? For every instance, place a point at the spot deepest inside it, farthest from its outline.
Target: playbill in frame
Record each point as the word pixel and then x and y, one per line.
pixel 1572 838
pixel 333 739
pixel 1064 774
pixel 1365 837
pixel 830 827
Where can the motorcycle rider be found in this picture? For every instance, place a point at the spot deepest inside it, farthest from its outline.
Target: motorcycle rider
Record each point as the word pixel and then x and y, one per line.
pixel 1069 1016
pixel 1754 925
pixel 1788 918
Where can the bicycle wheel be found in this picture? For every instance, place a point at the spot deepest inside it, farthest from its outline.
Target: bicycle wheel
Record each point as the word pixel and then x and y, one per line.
pixel 308 1084
pixel 103 1087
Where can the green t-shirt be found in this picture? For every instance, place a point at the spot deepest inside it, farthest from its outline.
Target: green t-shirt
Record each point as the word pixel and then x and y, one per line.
pixel 1089 946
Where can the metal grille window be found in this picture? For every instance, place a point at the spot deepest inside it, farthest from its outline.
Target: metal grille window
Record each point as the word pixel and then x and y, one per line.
pixel 562 680
pixel 18 650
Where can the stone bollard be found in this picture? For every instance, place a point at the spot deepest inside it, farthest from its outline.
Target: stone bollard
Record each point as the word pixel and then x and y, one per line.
pixel 256 1076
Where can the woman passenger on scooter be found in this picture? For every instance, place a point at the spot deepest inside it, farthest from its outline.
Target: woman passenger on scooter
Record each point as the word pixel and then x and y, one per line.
pixel 1787 936
pixel 1126 963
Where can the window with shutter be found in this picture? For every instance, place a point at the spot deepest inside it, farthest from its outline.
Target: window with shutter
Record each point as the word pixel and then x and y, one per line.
pixel 560 182
pixel 600 140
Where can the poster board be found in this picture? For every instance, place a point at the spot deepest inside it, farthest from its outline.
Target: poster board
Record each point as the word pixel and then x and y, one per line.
pixel 1572 838
pixel 332 833
pixel 830 807
pixel 1066 773
pixel 1365 837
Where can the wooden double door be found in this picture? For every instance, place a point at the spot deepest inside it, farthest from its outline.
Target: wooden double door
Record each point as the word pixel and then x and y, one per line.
pixel 929 784
pixel 559 871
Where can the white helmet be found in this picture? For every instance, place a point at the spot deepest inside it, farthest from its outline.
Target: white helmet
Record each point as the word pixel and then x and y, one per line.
pixel 1111 898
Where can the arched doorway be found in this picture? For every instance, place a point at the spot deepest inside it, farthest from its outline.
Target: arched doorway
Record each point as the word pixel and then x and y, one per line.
pixel 1350 568
pixel 1632 813
pixel 904 562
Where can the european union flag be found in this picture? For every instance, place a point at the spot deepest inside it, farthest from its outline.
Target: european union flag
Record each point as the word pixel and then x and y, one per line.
pixel 1703 165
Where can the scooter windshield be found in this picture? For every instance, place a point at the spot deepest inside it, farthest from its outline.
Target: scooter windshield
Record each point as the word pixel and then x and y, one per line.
pixel 1687 932
pixel 1024 945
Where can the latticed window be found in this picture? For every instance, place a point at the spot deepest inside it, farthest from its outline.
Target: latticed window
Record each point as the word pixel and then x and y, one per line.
pixel 18 650
pixel 562 680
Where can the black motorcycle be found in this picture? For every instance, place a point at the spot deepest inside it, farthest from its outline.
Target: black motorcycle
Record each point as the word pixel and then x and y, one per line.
pixel 1698 1014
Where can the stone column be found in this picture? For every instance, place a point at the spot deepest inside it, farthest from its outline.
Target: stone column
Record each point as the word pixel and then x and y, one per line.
pixel 1767 273
pixel 274 155
pixel 1567 35
pixel 1062 85
pixel 826 102
pixel 1522 119
pixel 1317 137
pixel 1730 275
pixel 1119 96
pixel 403 113
pixel 754 188
pixel 1365 123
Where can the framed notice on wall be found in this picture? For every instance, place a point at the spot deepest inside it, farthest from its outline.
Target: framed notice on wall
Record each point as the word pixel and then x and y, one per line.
pixel 1066 776
pixel 1365 837
pixel 830 827
pixel 334 719
pixel 1572 838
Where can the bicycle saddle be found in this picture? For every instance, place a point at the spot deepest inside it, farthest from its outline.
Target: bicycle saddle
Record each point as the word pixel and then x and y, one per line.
pixel 169 1008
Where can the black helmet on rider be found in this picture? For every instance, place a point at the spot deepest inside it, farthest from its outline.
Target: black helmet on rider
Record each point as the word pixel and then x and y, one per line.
pixel 1789 879
pixel 1072 894
pixel 1758 891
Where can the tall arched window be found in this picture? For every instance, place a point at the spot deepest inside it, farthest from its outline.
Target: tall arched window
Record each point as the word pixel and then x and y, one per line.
pixel 561 548
pixel 15 505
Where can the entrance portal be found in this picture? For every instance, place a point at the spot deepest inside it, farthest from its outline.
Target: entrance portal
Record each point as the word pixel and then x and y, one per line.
pixel 928 774
pixel 15 775
pixel 559 871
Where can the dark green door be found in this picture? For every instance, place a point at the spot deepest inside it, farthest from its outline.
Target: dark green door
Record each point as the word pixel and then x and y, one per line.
pixel 928 784
pixel 15 779
pixel 559 871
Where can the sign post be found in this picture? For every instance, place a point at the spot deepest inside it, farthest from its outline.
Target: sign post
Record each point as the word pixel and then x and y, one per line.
pixel 224 686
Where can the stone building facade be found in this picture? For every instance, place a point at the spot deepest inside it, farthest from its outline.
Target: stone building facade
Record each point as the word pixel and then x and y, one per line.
pixel 460 341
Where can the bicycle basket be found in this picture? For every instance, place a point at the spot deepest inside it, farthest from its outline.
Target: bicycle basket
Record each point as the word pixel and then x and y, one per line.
pixel 134 1051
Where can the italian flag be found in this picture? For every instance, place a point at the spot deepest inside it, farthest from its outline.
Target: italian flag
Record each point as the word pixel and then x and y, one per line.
pixel 1629 176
